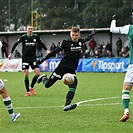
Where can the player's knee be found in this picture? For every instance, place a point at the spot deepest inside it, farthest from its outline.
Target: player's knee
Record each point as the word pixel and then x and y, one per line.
pixel 1 84
pixel 46 85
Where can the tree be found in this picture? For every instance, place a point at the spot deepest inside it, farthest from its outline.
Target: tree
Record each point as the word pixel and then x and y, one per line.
pixel 56 14
pixel 16 12
pixel 98 13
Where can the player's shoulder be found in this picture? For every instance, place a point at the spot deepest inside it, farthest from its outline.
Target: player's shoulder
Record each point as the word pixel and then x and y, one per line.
pixel 34 34
pixel 67 40
pixel 24 35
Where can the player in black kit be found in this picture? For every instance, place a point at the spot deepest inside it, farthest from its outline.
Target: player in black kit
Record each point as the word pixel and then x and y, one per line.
pixel 29 42
pixel 72 50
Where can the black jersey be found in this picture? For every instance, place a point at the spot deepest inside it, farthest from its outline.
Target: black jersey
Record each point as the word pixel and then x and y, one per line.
pixel 28 46
pixel 72 52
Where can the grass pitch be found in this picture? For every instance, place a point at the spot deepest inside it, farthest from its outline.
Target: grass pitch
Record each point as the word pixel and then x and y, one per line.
pixel 44 113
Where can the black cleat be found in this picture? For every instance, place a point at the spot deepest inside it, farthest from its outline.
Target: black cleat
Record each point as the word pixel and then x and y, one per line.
pixel 41 78
pixel 70 107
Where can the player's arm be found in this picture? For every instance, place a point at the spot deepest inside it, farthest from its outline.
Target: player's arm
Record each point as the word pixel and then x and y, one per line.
pixel 13 48
pixel 43 45
pixel 51 54
pixel 115 29
pixel 87 38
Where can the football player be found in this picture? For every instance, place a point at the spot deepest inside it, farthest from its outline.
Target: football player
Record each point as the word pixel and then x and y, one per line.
pixel 29 42
pixel 72 47
pixel 7 102
pixel 128 81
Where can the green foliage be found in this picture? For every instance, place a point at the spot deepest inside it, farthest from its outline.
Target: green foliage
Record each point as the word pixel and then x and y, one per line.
pixel 44 112
pixel 56 14
pixel 98 13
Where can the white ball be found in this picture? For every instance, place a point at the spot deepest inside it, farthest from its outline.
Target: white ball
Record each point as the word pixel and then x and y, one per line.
pixel 68 78
pixel 0 44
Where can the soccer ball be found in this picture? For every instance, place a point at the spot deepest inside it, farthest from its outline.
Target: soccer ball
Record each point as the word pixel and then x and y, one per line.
pixel 68 78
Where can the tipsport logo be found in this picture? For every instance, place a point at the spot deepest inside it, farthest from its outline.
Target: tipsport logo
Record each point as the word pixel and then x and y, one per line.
pixel 94 64
pixel 107 65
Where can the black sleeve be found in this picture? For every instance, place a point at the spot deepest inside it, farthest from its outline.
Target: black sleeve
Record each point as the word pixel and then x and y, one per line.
pixel 15 45
pixel 41 43
pixel 51 54
pixel 87 38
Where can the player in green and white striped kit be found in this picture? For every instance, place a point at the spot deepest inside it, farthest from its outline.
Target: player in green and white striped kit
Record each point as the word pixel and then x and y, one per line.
pixel 7 102
pixel 128 81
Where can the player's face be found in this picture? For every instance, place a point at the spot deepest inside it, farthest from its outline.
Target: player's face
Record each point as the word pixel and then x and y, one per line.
pixel 75 36
pixel 29 30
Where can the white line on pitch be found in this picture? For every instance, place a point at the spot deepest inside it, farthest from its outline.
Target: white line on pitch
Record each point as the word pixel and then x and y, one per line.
pixel 91 100
pixel 48 107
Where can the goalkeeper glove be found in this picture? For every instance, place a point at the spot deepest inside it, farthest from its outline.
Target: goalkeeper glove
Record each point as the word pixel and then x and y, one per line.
pixel 115 17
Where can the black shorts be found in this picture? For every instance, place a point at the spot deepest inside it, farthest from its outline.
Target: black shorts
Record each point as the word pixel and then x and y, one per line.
pixel 62 70
pixel 58 74
pixel 25 65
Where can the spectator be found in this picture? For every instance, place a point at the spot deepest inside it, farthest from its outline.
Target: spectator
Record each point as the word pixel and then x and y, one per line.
pixel 4 48
pixel 103 50
pixel 91 54
pixel 108 54
pixel 60 54
pixel 52 47
pixel 84 47
pixel 118 46
pixel 124 52
pixel 100 49
pixel 108 46
pixel 92 44
pixel 86 54
pixel 96 54
pixel 17 54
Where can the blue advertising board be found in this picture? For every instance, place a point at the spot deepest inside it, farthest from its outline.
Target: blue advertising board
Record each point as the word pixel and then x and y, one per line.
pixel 91 64
pixel 52 63
pixel 105 64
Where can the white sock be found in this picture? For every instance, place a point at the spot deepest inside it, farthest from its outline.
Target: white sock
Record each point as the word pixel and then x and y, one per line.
pixel 126 111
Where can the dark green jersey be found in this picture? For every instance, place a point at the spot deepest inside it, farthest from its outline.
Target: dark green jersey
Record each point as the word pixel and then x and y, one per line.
pixel 72 52
pixel 28 46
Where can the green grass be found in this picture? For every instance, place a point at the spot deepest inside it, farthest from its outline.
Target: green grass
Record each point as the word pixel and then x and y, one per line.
pixel 44 112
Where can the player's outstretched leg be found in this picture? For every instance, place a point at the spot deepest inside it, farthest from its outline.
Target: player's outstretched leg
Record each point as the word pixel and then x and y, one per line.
pixel 70 107
pixel 41 78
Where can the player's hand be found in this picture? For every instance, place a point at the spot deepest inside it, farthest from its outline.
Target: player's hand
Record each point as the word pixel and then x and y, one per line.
pixel 115 17
pixel 10 56
pixel 47 51
pixel 37 62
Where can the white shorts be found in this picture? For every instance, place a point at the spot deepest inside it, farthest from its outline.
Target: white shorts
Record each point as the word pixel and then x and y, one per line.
pixel 1 84
pixel 129 75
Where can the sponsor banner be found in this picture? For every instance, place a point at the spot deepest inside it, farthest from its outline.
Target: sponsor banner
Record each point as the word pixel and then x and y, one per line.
pixel 79 69
pixel 52 63
pixel 84 65
pixel 13 65
pixel 105 64
pixel 49 65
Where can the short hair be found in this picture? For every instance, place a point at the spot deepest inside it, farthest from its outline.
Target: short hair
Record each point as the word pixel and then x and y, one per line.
pixel 29 24
pixel 75 29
